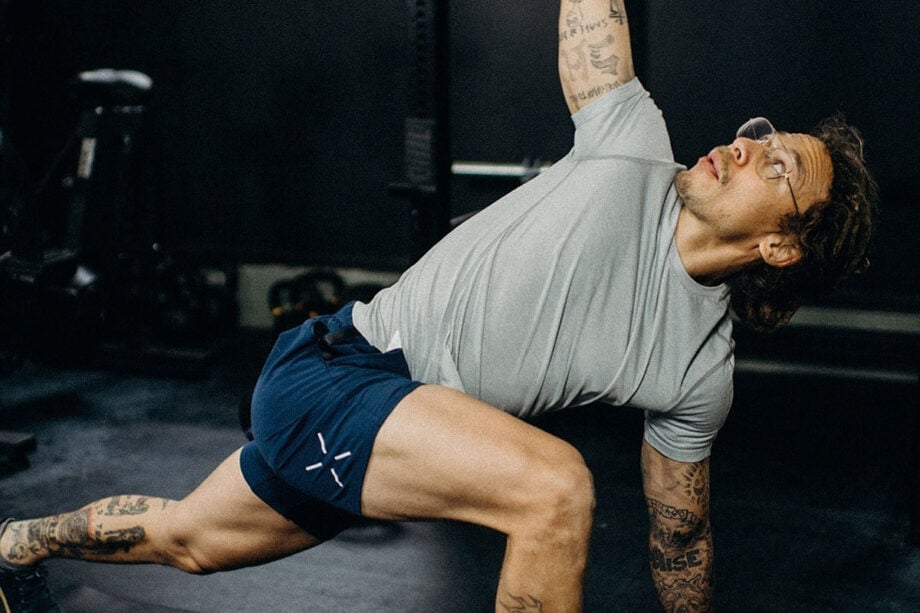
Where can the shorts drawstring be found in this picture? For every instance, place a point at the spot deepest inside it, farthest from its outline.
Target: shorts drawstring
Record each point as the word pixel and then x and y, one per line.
pixel 326 339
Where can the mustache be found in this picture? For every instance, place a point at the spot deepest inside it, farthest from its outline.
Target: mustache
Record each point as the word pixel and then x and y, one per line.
pixel 723 153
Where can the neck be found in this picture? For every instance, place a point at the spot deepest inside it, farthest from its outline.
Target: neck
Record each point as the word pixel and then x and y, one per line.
pixel 708 258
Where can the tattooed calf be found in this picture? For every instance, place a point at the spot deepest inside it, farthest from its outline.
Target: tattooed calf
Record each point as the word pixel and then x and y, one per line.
pixel 127 505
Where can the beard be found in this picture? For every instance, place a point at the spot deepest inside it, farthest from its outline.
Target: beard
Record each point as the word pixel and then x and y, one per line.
pixel 683 183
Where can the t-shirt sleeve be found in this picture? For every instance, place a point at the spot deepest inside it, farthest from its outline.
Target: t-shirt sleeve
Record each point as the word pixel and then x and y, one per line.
pixel 624 122
pixel 687 432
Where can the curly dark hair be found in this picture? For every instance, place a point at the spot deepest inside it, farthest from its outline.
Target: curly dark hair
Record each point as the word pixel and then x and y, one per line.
pixel 834 237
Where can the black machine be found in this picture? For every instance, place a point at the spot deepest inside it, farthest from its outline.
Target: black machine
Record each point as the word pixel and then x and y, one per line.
pixel 50 263
pixel 81 271
pixel 426 183
pixel 82 278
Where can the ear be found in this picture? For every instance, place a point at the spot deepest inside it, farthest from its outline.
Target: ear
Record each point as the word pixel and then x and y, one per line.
pixel 780 250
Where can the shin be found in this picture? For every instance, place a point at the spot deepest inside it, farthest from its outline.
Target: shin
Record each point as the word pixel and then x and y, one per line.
pixel 115 529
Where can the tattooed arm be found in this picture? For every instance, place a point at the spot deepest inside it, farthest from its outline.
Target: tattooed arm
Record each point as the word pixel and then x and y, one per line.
pixel 595 55
pixel 680 540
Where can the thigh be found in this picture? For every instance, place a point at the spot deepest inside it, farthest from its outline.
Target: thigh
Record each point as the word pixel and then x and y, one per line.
pixel 445 455
pixel 225 525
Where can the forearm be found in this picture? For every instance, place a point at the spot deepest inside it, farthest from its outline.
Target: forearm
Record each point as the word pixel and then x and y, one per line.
pixel 595 55
pixel 679 536
pixel 680 559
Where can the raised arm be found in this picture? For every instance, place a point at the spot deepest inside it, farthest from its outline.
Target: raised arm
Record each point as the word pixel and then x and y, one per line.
pixel 679 540
pixel 595 55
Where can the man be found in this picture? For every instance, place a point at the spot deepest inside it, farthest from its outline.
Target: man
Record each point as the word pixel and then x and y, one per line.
pixel 603 280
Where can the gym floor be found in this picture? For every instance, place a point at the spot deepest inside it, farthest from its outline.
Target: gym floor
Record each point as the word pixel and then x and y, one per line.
pixel 811 498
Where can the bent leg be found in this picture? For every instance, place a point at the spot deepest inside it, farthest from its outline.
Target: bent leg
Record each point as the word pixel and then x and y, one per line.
pixel 219 526
pixel 444 455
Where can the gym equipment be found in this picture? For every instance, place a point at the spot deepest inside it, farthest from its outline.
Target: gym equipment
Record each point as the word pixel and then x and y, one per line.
pixel 12 187
pixel 50 305
pixel 426 183
pixel 85 253
pixel 293 301
pixel 52 300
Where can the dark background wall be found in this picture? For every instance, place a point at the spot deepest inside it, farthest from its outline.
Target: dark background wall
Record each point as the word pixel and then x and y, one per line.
pixel 275 127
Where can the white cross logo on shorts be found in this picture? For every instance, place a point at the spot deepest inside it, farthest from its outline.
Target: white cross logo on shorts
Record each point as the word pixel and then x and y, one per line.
pixel 341 456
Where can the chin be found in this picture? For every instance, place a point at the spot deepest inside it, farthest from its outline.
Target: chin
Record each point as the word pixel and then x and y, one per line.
pixel 683 183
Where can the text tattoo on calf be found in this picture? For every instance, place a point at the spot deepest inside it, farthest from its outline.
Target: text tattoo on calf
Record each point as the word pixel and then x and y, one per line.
pixel 117 506
pixel 77 535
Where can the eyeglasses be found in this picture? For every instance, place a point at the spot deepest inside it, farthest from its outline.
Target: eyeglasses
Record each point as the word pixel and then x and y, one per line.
pixel 778 162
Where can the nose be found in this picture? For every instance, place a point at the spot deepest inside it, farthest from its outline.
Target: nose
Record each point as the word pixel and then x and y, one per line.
pixel 744 150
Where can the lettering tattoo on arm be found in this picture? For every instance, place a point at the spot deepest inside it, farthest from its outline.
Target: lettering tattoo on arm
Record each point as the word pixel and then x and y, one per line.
pixel 680 537
pixel 616 11
pixel 680 541
pixel 589 57
pixel 680 557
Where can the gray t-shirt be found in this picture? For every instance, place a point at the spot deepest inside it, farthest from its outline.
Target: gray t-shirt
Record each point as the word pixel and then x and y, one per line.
pixel 570 290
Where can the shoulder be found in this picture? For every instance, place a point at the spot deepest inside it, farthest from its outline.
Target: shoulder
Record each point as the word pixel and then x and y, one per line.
pixel 624 121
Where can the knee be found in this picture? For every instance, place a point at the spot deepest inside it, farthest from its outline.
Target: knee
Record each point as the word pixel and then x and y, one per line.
pixel 185 547
pixel 563 498
pixel 184 554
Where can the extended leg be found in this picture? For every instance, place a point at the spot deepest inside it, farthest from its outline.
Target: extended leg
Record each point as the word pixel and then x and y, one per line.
pixel 442 454
pixel 219 526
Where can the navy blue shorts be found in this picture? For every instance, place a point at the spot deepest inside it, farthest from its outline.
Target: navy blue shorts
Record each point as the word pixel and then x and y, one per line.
pixel 323 395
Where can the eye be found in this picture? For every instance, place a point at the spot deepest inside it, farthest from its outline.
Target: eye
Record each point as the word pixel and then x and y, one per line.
pixel 779 161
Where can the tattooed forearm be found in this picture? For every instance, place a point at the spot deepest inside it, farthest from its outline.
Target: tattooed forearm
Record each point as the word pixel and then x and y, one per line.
pixel 671 526
pixel 682 561
pixel 585 52
pixel 679 536
pixel 616 11
pixel 680 557
pixel 685 595
pixel 696 484
pixel 601 56
pixel 521 604
pixel 595 55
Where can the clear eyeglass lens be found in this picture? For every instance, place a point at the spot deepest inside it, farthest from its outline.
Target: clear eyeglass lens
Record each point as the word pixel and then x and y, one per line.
pixel 756 129
pixel 773 165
